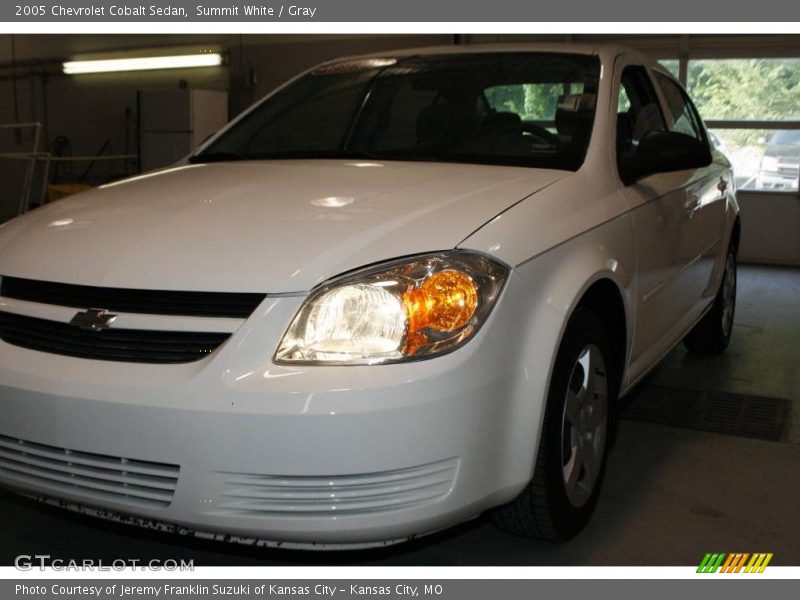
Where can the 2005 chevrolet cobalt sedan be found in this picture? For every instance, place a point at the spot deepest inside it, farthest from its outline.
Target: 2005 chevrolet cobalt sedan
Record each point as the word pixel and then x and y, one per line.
pixel 398 292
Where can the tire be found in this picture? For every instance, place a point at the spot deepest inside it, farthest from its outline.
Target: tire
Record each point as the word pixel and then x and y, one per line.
pixel 561 497
pixel 712 334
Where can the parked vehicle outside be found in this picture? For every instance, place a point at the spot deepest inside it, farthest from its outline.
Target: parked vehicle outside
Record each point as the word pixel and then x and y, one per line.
pixel 780 165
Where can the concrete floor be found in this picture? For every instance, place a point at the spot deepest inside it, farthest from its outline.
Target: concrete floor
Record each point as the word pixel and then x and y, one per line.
pixel 670 495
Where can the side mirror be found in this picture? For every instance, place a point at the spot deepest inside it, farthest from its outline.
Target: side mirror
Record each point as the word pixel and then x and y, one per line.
pixel 665 152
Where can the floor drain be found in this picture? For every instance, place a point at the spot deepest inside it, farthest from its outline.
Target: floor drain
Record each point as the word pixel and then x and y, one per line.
pixel 717 412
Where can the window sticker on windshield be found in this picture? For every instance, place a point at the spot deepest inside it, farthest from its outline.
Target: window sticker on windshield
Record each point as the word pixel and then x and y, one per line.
pixel 353 66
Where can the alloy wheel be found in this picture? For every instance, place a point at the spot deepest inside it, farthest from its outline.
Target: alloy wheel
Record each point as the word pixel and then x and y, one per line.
pixel 584 425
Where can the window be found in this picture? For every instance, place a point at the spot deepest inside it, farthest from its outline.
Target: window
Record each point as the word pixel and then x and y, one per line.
pixel 308 126
pixel 638 112
pixel 763 159
pixel 396 126
pixel 672 65
pixel 746 89
pixel 531 101
pixel 747 104
pixel 623 102
pixel 684 119
pixel 528 109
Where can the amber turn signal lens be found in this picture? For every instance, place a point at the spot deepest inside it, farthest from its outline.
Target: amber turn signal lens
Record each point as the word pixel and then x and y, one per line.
pixel 445 301
pixel 395 312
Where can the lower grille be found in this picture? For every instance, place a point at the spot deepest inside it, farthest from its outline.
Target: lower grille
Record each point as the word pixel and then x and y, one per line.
pixel 265 495
pixel 126 345
pixel 92 476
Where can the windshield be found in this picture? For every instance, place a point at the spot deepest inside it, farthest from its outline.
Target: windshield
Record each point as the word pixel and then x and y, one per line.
pixel 532 109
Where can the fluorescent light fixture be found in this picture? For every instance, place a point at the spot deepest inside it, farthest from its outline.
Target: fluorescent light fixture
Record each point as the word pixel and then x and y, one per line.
pixel 148 63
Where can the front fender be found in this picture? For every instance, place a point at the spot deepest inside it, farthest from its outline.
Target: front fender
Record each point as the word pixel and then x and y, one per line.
pixel 551 286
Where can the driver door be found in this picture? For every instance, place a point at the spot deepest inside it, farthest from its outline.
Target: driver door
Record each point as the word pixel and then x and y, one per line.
pixel 660 215
pixel 704 223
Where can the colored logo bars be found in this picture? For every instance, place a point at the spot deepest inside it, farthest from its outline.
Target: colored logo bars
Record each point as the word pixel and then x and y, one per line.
pixel 734 563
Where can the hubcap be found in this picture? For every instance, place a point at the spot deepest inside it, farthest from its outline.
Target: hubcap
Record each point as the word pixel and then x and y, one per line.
pixel 584 424
pixel 728 295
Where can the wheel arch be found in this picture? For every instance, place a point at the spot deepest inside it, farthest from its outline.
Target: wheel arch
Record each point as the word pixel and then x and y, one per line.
pixel 579 285
pixel 604 298
pixel 580 278
pixel 597 270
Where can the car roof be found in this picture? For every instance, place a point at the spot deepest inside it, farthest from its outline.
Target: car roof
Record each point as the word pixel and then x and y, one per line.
pixel 607 52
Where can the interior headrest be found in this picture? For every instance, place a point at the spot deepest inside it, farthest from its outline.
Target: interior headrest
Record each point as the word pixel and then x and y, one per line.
pixel 573 113
pixel 577 102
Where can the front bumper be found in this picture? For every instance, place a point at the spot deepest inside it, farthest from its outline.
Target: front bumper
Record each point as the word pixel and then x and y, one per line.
pixel 236 445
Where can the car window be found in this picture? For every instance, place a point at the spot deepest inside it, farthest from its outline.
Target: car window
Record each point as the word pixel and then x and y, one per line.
pixel 394 125
pixel 786 136
pixel 531 101
pixel 522 109
pixel 684 117
pixel 638 111
pixel 308 126
pixel 535 103
pixel 623 103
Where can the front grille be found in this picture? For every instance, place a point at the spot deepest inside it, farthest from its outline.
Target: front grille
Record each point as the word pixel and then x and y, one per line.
pixel 92 476
pixel 154 302
pixel 277 495
pixel 126 345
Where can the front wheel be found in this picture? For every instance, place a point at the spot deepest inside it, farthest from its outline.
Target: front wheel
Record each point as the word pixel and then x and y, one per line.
pixel 712 334
pixel 570 463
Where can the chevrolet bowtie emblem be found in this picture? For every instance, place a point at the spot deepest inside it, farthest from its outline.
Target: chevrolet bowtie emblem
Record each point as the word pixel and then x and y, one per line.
pixel 93 319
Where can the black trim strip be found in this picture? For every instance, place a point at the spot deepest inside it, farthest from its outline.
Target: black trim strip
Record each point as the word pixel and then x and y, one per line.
pixel 155 302
pixel 121 345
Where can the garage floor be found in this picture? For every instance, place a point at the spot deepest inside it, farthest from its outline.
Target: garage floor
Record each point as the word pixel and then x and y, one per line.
pixel 671 494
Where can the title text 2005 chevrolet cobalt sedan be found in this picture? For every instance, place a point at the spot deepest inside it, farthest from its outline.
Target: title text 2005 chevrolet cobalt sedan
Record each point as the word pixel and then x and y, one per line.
pixel 398 292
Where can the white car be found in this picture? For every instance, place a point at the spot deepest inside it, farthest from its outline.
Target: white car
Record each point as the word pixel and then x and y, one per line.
pixel 780 164
pixel 398 292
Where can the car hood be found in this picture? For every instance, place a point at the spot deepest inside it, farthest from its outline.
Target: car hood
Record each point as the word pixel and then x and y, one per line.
pixel 277 226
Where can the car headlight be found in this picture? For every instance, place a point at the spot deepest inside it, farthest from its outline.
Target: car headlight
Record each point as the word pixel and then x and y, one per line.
pixel 403 310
